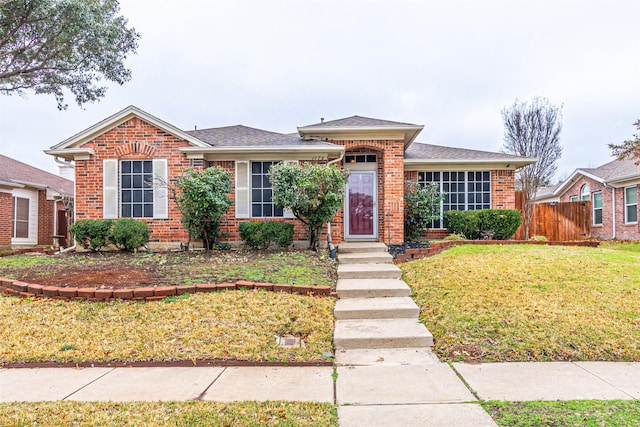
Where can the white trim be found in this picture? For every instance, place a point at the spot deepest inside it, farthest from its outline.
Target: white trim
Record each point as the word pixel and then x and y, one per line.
pixel 593 207
pixel 160 190
pixel 110 189
pixel 460 164
pixel 243 179
pixel 405 133
pixel 347 235
pixel 32 196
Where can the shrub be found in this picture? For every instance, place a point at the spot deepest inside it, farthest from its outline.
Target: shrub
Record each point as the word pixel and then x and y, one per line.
pixel 262 234
pixel 421 206
pixel 465 223
pixel 536 238
pixel 129 234
pixel 92 233
pixel 455 237
pixel 503 222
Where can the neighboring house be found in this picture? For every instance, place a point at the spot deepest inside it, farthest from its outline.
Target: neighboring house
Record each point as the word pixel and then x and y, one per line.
pixel 117 159
pixel 613 191
pixel 32 204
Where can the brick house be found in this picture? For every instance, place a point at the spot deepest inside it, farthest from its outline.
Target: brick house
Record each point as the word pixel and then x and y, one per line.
pixel 32 208
pixel 117 158
pixel 613 191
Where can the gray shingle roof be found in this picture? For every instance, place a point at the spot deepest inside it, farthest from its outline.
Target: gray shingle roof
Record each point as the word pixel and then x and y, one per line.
pixel 420 151
pixel 359 121
pixel 14 171
pixel 244 136
pixel 614 170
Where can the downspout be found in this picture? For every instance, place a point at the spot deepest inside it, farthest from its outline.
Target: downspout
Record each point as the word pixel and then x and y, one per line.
pixel 332 249
pixel 613 204
pixel 69 163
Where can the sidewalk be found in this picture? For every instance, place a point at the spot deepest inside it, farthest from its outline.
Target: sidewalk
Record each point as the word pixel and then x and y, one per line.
pixel 431 391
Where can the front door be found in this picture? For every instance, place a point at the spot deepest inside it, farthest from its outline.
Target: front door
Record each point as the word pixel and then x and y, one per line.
pixel 361 218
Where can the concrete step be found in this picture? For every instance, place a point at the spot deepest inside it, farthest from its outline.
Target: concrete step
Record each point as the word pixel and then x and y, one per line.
pixel 386 356
pixel 355 247
pixel 368 271
pixel 368 288
pixel 376 308
pixel 380 333
pixel 365 258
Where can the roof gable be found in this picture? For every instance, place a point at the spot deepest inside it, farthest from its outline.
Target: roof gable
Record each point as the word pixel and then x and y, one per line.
pixel 21 174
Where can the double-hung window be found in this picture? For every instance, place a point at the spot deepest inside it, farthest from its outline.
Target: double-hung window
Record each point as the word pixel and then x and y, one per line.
pixel 254 192
pixel 597 208
pixel 630 204
pixel 468 190
pixel 135 188
pixel 585 193
pixel 573 198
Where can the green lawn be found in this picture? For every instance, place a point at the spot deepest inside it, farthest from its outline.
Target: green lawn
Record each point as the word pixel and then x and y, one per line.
pixel 576 413
pixel 178 414
pixel 531 303
pixel 228 325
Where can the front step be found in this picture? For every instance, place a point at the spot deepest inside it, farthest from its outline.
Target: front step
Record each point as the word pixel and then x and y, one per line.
pixel 380 333
pixel 360 247
pixel 376 308
pixel 368 271
pixel 365 258
pixel 371 288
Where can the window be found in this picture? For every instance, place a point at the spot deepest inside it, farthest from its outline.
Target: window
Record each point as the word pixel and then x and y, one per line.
pixel 136 189
pixel 20 223
pixel 262 192
pixel 573 198
pixel 469 190
pixel 597 208
pixel 630 204
pixel 585 193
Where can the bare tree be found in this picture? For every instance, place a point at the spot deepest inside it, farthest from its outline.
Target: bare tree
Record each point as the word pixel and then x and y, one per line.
pixel 532 129
pixel 629 149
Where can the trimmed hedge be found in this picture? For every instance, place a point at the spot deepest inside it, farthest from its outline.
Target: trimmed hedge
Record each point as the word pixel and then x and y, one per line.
pixel 262 234
pixel 127 233
pixel 503 223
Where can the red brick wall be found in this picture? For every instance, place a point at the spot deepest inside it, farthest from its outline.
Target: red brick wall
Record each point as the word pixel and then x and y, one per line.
pixel 6 206
pixel 134 139
pixel 503 189
pixel 45 219
pixel 606 230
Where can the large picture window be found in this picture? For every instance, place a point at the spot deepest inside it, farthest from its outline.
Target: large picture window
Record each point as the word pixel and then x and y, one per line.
pixel 262 205
pixel 597 208
pixel 136 189
pixel 20 223
pixel 630 204
pixel 468 190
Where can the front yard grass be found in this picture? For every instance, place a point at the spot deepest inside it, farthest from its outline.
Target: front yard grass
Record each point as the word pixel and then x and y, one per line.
pixel 530 303
pixel 576 413
pixel 222 325
pixel 143 414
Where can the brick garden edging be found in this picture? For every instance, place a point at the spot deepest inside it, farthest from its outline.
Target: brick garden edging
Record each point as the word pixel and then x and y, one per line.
pixel 439 247
pixel 32 290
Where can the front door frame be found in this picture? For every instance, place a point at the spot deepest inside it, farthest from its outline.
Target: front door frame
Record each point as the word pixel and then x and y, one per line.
pixel 369 169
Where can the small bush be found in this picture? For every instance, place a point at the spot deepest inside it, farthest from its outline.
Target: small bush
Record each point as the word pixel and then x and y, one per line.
pixel 536 238
pixel 92 233
pixel 502 222
pixel 465 223
pixel 455 237
pixel 262 234
pixel 129 234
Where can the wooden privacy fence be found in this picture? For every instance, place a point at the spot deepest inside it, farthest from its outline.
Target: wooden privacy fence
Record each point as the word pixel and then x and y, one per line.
pixel 557 221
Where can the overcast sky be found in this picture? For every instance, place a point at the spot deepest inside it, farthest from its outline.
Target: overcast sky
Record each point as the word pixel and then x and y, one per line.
pixel 451 66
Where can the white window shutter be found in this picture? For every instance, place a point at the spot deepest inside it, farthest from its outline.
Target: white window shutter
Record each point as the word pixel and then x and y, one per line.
pixel 160 192
pixel 110 188
pixel 287 212
pixel 242 202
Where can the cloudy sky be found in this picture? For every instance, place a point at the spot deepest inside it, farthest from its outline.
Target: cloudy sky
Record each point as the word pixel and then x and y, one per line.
pixel 451 66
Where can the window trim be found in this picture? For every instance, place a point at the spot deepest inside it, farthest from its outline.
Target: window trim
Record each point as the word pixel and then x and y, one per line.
pixel 594 208
pixel 585 193
pixel 574 199
pixel 15 220
pixel 627 205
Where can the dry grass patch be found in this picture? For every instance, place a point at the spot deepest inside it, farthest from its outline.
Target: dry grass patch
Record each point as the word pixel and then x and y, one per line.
pixel 526 302
pixel 148 414
pixel 229 325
